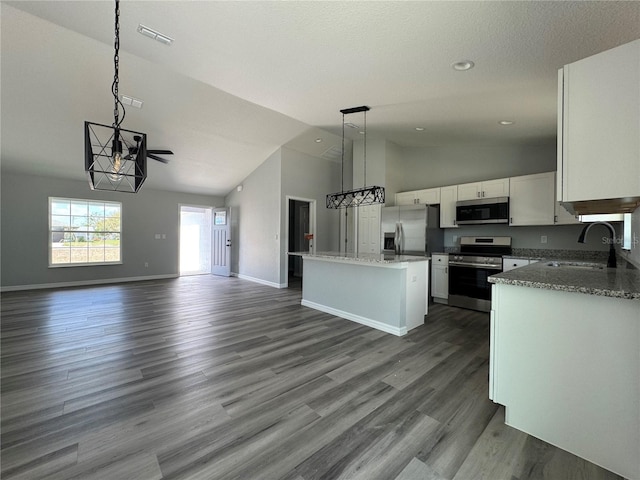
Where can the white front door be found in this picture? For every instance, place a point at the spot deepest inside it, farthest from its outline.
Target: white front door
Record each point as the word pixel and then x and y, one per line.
pixel 221 242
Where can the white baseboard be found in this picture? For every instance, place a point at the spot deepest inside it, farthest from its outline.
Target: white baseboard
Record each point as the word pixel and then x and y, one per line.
pixel 259 280
pixel 356 318
pixel 83 283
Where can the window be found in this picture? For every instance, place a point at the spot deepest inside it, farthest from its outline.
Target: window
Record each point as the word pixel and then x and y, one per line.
pixel 625 218
pixel 84 232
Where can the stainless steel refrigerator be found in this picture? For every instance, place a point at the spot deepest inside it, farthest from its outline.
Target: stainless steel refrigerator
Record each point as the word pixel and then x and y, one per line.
pixel 411 230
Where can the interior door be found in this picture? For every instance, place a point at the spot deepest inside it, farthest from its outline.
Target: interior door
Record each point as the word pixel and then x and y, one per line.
pixel 221 242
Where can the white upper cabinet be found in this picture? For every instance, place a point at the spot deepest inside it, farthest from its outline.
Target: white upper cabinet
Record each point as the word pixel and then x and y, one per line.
pixel 486 189
pixel 496 188
pixel 469 191
pixel 532 200
pixel 430 196
pixel 405 198
pixel 448 199
pixel 599 126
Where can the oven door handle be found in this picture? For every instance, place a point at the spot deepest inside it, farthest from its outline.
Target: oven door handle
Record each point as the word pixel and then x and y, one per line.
pixel 488 266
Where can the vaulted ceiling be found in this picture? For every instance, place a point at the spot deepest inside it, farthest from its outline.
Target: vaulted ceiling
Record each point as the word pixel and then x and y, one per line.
pixel 244 78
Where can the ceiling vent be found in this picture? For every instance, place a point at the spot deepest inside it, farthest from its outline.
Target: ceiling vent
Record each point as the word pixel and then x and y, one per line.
pixel 154 34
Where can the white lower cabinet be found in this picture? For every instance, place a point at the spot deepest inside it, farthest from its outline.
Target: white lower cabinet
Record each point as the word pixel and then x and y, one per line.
pixel 440 278
pixel 566 367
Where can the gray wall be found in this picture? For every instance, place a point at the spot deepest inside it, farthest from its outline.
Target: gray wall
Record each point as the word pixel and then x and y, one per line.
pixel 312 178
pixel 24 235
pixel 438 166
pixel 256 223
pixel 259 223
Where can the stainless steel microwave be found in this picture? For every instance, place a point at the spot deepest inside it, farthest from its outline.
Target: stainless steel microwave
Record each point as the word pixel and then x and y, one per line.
pixel 482 210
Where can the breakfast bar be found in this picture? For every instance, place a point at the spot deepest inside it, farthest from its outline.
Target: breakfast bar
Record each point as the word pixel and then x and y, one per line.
pixel 565 358
pixel 386 292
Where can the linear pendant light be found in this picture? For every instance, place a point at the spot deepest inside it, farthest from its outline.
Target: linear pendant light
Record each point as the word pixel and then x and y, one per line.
pixel 361 196
pixel 115 159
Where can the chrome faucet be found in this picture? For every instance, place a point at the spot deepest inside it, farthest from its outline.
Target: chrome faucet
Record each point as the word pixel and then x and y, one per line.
pixel 611 261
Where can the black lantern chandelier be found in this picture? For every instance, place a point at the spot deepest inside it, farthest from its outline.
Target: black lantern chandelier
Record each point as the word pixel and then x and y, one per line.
pixel 362 196
pixel 115 159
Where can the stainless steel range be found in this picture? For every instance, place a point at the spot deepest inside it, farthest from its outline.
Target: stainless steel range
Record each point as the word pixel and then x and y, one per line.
pixel 479 258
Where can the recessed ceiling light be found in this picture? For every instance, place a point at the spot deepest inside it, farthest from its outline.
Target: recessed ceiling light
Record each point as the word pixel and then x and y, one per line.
pixel 419 129
pixel 463 65
pixel 506 122
pixel 151 33
pixel 318 140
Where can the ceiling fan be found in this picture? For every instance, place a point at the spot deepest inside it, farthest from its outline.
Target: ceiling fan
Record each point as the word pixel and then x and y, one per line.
pixel 151 153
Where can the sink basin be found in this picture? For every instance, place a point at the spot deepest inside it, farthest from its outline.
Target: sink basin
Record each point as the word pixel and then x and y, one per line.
pixel 579 265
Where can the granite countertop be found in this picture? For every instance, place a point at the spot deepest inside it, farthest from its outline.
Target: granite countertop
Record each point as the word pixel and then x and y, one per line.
pixel 575 276
pixel 372 258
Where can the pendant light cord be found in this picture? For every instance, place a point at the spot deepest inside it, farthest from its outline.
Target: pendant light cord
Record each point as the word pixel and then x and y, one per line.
pixel 365 149
pixel 342 181
pixel 114 86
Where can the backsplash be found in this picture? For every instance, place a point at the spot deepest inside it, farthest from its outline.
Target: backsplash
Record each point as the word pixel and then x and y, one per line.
pixel 558 237
pixel 594 256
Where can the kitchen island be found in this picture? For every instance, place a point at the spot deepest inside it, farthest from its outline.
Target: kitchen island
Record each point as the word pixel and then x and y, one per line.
pixel 565 358
pixel 386 292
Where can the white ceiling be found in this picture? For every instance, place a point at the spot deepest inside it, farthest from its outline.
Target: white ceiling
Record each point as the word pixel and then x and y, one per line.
pixel 244 78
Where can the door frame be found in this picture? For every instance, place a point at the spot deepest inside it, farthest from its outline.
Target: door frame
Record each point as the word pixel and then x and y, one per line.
pixel 180 205
pixel 312 227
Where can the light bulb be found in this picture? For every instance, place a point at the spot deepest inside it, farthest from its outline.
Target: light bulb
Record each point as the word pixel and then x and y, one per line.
pixel 116 159
pixel 116 166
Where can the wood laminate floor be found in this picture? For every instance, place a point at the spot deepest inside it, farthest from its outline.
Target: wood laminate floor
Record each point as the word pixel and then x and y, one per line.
pixel 220 378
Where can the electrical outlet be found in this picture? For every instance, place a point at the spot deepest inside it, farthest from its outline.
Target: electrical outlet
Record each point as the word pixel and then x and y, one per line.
pixel 543 239
pixel 146 264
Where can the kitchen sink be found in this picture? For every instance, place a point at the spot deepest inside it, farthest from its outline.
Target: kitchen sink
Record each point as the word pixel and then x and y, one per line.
pixel 577 265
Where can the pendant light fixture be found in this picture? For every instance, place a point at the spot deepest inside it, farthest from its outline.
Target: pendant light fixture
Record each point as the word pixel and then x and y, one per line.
pixel 115 158
pixel 362 196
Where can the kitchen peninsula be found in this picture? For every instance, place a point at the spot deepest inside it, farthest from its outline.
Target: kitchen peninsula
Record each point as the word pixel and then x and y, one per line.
pixel 565 358
pixel 386 292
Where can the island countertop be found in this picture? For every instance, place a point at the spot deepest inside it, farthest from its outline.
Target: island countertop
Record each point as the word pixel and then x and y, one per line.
pixel 581 277
pixel 366 258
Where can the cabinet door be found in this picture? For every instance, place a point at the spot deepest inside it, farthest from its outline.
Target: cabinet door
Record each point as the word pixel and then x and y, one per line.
pixel 448 199
pixel 405 198
pixel 369 229
pixel 532 199
pixel 430 196
pixel 495 188
pixel 600 145
pixel 469 191
pixel 511 263
pixel 440 276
